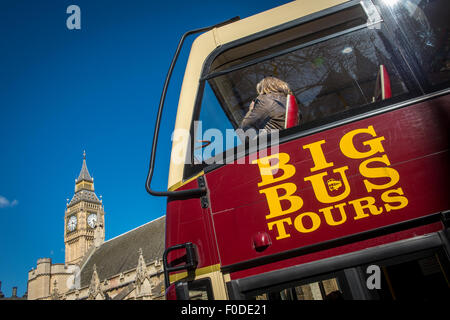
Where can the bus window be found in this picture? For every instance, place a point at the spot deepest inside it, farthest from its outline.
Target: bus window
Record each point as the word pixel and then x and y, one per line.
pixel 327 77
pixel 426 27
pixel 326 289
pixel 424 277
pixel 214 131
pixel 200 290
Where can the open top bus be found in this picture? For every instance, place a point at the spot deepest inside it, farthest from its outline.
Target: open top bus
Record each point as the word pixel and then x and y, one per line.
pixel 358 187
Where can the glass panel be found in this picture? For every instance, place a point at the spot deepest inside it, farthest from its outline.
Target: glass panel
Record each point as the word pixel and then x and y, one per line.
pixel 424 279
pixel 200 290
pixel 426 25
pixel 198 295
pixel 320 290
pixel 326 78
pixel 214 132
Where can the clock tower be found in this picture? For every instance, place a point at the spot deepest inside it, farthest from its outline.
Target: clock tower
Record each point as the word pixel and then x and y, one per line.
pixel 83 219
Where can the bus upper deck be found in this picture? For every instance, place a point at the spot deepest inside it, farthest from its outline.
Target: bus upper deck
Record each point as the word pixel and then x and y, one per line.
pixel 361 180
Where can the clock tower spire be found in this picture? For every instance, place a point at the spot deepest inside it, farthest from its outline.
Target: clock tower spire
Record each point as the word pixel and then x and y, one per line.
pixel 84 214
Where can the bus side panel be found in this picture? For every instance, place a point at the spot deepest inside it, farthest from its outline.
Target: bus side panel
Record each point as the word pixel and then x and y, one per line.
pixel 186 221
pixel 364 175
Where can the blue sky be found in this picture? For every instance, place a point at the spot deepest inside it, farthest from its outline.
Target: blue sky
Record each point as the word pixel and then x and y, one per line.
pixel 95 89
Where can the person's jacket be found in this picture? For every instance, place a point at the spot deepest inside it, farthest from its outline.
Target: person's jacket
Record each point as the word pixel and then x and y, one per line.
pixel 268 113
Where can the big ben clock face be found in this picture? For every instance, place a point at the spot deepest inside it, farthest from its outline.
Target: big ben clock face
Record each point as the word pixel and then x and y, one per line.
pixel 92 220
pixel 72 223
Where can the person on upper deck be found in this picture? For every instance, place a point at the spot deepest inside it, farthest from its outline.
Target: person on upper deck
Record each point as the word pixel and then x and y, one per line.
pixel 268 110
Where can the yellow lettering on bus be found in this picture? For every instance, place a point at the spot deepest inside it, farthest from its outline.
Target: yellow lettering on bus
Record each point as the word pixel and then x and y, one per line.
pixel 317 156
pixel 328 214
pixel 378 173
pixel 370 205
pixel 267 170
pixel 348 148
pixel 320 189
pixel 388 198
pixel 279 224
pixel 274 199
pixel 299 225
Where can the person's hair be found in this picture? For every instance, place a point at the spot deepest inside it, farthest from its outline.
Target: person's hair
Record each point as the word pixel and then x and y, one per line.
pixel 272 85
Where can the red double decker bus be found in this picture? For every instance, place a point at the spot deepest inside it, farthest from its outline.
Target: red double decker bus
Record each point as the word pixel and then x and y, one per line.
pixel 349 202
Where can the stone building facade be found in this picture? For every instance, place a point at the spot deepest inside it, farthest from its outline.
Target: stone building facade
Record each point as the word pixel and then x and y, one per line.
pixel 126 267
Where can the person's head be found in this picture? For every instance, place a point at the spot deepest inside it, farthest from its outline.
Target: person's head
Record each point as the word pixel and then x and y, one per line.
pixel 272 85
